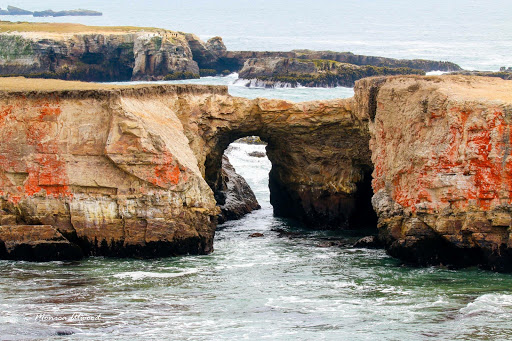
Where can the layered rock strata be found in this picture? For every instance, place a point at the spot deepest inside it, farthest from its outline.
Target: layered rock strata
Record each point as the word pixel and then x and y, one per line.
pixel 128 171
pixel 314 73
pixel 89 53
pixel 89 169
pixel 93 53
pixel 443 170
pixel 235 60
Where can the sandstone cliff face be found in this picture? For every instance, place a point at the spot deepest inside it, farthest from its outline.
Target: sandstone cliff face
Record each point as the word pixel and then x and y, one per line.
pixel 443 170
pixel 95 54
pixel 128 171
pixel 319 153
pixel 109 171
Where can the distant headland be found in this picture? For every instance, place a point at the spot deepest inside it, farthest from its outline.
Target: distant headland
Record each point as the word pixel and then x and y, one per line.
pixel 11 10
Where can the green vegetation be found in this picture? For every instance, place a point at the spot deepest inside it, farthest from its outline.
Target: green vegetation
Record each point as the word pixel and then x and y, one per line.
pixel 157 40
pixel 180 75
pixel 14 46
pixel 207 72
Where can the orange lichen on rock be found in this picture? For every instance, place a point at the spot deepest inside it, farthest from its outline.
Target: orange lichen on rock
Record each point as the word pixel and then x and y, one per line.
pixel 46 170
pixel 442 167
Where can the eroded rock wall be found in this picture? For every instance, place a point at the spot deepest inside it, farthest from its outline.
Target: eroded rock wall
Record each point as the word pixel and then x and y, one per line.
pixel 233 194
pixel 128 171
pixel 319 151
pixel 110 171
pixel 443 171
pixel 95 54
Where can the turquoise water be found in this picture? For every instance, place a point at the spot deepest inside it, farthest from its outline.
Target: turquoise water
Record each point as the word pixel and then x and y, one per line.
pixel 286 285
pixel 278 287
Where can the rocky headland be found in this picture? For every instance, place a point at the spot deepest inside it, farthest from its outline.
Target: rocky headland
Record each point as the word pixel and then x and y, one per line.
pixel 11 10
pixel 135 170
pixel 91 169
pixel 91 53
pixel 271 72
pixel 442 167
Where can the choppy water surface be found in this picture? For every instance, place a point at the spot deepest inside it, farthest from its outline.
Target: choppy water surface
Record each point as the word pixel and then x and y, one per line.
pixel 237 88
pixel 283 286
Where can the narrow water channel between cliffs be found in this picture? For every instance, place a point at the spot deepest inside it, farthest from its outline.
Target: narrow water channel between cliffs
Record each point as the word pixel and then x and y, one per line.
pixel 292 283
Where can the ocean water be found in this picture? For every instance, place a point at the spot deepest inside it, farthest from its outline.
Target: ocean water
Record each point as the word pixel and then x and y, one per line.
pixel 286 285
pixel 237 87
pixel 473 33
pixel 283 286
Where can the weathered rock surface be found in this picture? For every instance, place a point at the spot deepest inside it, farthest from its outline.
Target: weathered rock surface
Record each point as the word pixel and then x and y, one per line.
pixel 128 171
pixel 233 194
pixel 121 170
pixel 443 170
pixel 109 170
pixel 369 242
pixel 91 53
pixel 314 73
pixel 235 60
pixel 77 52
pixel 503 74
pixel 350 58
pixel 36 243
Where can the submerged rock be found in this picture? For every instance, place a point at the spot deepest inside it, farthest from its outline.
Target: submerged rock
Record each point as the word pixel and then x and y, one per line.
pixel 369 242
pixel 234 195
pixel 256 235
pixel 257 154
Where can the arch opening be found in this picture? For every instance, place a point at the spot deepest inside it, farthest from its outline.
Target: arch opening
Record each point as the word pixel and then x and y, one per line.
pixel 313 206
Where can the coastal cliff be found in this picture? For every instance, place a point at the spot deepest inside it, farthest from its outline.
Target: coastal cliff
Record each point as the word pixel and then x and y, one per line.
pixel 89 53
pixel 442 167
pixel 91 169
pixel 95 53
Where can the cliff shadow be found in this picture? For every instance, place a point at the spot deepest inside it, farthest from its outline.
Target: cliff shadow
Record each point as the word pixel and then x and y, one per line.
pixel 309 204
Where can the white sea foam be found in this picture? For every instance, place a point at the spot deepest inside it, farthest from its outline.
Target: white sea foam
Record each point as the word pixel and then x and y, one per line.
pixel 139 275
pixel 436 73
pixel 489 304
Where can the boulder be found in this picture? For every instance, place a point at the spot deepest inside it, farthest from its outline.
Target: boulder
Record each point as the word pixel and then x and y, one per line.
pixel 369 242
pixel 233 194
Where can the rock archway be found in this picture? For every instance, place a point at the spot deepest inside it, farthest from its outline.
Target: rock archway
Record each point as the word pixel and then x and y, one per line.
pixel 318 150
pixel 124 171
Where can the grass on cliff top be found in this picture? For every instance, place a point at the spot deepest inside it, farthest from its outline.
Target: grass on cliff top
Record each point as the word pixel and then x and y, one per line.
pixel 21 84
pixel 20 26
